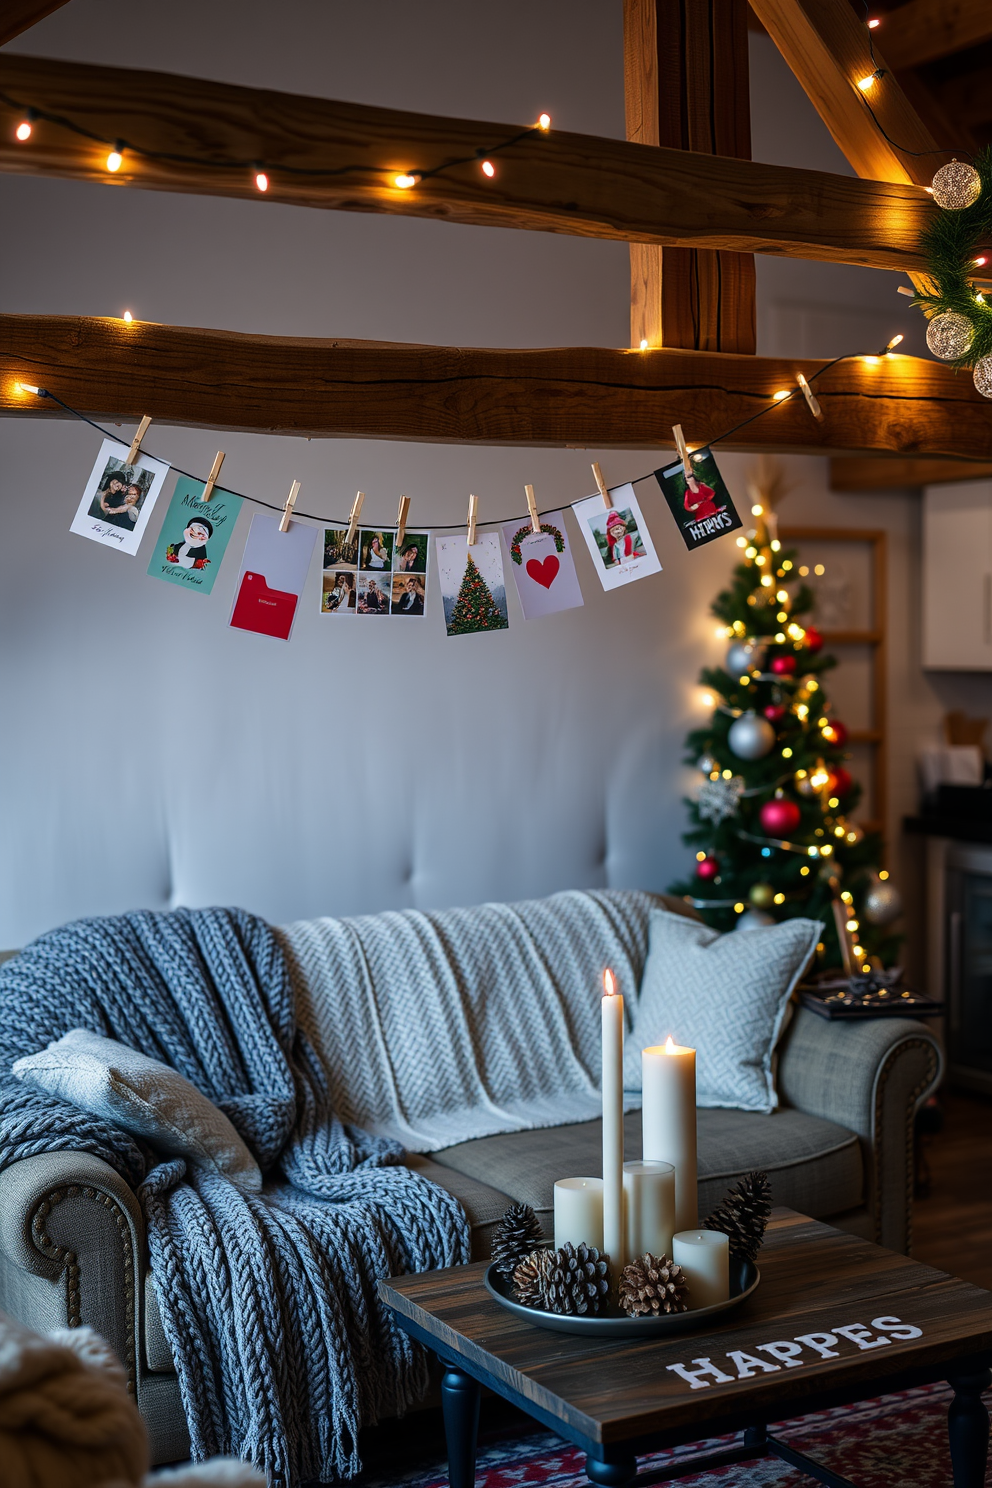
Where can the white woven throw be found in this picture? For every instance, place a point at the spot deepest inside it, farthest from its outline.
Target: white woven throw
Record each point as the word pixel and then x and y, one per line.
pixel 436 1028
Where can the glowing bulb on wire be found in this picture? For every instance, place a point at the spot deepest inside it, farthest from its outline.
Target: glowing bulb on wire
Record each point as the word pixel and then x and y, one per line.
pixel 127 317
pixel 544 122
pixel 261 181
pixel 781 394
pixel 28 387
pixel 23 132
pixel 488 169
pixel 896 341
pixel 405 180
pixel 870 80
pixel 873 23
pixel 644 343
pixel 114 161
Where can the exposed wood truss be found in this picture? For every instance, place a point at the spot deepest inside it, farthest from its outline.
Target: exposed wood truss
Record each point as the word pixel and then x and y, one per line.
pixel 567 183
pixel 923 30
pixel 20 15
pixel 587 396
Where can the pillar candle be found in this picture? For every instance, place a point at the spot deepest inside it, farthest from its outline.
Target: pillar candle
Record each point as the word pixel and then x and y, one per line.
pixel 649 1208
pixel 704 1256
pixel 579 1212
pixel 668 1121
pixel 613 1237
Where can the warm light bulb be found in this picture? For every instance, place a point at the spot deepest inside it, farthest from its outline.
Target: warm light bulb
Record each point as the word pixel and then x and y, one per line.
pixel 28 387
pixel 896 340
pixel 609 983
pixel 700 857
pixel 865 83
pixel 404 181
pixel 742 542
pixel 779 899
pixel 644 343
pixel 738 909
pixel 261 181
pixel 127 316
pixel 978 262
pixel 488 169
pixel 23 132
pixel 115 160
pixel 544 122
pixel 873 23
pixel 757 511
pixel 787 753
pixel 775 545
pixel 707 700
pixel 883 874
pixel 781 394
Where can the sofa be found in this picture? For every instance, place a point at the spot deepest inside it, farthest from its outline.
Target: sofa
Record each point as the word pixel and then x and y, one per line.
pixel 839 1147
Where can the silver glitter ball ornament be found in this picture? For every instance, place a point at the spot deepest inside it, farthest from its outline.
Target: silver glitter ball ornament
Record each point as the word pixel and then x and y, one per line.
pixel 983 376
pixel 743 656
pixel 751 737
pixel 883 903
pixel 707 764
pixel 956 185
pixel 949 335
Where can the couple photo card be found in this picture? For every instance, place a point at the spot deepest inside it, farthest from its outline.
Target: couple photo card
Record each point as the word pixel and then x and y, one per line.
pixel 194 536
pixel 119 498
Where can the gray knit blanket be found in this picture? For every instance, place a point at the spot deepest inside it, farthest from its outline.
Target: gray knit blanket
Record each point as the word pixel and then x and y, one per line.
pixel 436 1028
pixel 268 1301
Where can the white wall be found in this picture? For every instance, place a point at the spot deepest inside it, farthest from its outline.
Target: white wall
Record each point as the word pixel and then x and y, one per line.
pixel 149 755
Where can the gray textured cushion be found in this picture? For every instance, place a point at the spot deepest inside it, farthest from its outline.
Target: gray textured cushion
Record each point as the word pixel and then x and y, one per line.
pixel 145 1097
pixel 814 1166
pixel 724 996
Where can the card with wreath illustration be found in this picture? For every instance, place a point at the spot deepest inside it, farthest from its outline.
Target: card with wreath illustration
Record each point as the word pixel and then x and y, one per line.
pixel 542 566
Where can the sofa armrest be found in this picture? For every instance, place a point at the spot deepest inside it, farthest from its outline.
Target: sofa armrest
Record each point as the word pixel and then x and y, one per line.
pixel 871 1077
pixel 72 1247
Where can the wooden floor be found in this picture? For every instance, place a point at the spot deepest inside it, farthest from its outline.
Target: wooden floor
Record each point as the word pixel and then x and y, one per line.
pixel 952 1227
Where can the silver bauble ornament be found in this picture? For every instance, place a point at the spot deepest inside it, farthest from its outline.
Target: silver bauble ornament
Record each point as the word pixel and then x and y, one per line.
pixel 707 764
pixel 751 737
pixel 753 919
pixel 744 656
pixel 882 903
pixel 956 185
pixel 949 335
pixel 983 376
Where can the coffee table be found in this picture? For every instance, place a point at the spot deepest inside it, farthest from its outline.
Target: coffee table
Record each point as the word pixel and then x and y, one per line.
pixel 834 1320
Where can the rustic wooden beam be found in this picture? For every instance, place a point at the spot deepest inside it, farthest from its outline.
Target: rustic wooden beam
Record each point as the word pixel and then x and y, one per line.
pixel 20 15
pixel 923 30
pixel 585 396
pixel 686 87
pixel 566 183
pixel 852 473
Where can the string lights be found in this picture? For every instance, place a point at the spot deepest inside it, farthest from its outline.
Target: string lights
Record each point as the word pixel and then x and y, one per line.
pixel 23 130
pixel 115 159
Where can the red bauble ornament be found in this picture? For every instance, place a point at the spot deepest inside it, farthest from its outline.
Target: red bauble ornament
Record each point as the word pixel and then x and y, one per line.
pixel 779 817
pixel 783 666
pixel 775 712
pixel 708 867
pixel 835 733
pixel 840 782
pixel 814 640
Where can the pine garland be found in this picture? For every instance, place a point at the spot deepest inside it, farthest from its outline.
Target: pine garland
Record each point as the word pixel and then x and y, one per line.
pixel 950 243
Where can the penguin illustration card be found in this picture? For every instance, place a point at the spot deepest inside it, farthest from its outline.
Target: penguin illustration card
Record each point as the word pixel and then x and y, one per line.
pixel 119 498
pixel 194 536
pixel 617 538
pixel 273 572
pixel 700 503
pixel 542 566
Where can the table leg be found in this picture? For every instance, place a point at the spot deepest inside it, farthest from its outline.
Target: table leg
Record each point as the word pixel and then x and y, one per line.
pixel 460 1407
pixel 968 1429
pixel 613 1474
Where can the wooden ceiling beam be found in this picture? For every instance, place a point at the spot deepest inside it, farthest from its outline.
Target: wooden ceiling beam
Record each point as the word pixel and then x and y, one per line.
pixel 567 183
pixel 923 30
pixel 584 396
pixel 20 15
pixel 872 473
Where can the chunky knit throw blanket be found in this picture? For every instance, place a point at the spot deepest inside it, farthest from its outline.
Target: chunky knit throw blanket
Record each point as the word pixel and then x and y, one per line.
pixel 268 1301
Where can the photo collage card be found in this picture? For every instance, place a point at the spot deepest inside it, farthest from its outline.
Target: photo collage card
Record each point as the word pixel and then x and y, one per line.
pixel 374 575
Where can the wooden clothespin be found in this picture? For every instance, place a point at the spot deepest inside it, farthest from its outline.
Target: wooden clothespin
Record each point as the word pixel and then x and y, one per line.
pixel 401 516
pixel 905 289
pixel 680 445
pixel 135 449
pixel 535 520
pixel 810 396
pixel 473 511
pixel 356 512
pixel 287 510
pixel 208 489
pixel 603 488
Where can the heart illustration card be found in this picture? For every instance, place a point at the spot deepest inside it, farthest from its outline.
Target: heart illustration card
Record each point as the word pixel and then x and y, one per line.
pixel 542 566
pixel 273 572
pixel 617 538
pixel 194 536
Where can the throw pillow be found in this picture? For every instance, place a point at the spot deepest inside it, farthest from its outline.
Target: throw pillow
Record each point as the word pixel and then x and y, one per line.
pixel 145 1097
pixel 726 996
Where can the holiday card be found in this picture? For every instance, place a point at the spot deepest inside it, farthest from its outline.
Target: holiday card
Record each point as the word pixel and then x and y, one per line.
pixel 194 536
pixel 273 572
pixel 617 537
pixel 119 498
pixel 700 503
pixel 472 584
pixel 542 566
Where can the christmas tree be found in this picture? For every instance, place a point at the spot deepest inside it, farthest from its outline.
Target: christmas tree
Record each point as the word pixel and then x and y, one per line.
pixel 475 608
pixel 771 822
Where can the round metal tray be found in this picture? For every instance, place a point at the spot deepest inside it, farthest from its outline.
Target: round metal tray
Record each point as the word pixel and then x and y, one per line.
pixel 744 1277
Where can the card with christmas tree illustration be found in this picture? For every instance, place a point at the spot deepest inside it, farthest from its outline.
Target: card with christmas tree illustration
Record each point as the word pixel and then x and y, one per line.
pixel 472 584
pixel 194 536
pixel 542 566
pixel 700 503
pixel 617 538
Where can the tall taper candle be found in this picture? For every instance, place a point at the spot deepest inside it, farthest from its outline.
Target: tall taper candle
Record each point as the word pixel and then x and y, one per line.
pixel 613 1235
pixel 668 1121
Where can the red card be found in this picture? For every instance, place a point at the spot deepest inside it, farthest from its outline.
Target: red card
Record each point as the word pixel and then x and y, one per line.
pixel 259 608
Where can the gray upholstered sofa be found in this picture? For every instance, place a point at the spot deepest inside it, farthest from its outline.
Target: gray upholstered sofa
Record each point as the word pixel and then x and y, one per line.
pixel 72 1245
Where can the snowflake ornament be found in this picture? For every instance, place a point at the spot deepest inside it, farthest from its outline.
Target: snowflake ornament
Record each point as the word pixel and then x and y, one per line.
pixel 719 799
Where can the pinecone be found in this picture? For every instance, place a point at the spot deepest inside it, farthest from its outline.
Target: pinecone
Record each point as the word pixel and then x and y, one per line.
pixel 577 1282
pixel 652 1285
pixel 515 1237
pixel 530 1278
pixel 743 1215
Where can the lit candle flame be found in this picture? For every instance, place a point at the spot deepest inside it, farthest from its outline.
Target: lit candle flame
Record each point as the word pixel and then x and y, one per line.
pixel 609 983
pixel 670 1045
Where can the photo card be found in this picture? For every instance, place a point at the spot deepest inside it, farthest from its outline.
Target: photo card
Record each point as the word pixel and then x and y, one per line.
pixel 273 572
pixel 472 585
pixel 702 507
pixel 194 536
pixel 375 550
pixel 339 592
pixel 338 553
pixel 411 556
pixel 119 498
pixel 542 566
pixel 617 538
pixel 373 594
pixel 409 594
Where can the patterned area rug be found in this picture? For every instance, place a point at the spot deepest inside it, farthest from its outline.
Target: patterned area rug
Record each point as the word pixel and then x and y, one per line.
pixel 895 1441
